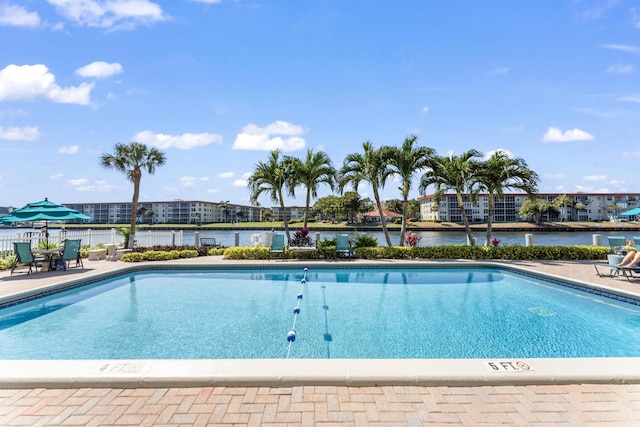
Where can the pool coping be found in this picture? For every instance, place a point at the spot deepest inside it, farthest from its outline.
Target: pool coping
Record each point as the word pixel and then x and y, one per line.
pixel 290 372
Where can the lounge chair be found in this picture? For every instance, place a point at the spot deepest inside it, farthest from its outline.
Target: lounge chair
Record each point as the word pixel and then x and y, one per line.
pixel 25 256
pixel 636 240
pixel 343 247
pixel 615 271
pixel 71 252
pixel 616 241
pixel 277 245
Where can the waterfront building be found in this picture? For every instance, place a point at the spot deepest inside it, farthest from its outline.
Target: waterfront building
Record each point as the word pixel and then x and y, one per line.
pixel 167 212
pixel 293 212
pixel 597 207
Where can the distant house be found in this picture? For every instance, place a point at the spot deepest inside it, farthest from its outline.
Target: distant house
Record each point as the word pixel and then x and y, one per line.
pixel 374 216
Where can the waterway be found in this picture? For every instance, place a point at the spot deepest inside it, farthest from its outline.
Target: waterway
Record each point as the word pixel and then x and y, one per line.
pixel 427 238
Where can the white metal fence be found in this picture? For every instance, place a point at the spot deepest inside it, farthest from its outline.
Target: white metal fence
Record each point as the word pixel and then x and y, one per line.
pixel 92 238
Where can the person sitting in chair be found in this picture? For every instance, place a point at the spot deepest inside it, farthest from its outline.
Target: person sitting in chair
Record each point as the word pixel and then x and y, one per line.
pixel 631 259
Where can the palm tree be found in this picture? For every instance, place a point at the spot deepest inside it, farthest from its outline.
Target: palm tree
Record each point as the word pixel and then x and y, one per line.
pixel 452 173
pixel 372 167
pixel 499 173
pixel 563 201
pixel 316 169
pixel 272 177
pixel 131 159
pixel 225 209
pixel 404 162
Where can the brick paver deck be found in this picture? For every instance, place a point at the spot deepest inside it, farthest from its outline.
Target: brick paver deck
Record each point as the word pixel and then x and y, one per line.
pixel 533 405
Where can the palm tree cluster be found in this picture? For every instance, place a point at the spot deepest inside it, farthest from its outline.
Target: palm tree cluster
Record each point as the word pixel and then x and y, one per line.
pixel 463 174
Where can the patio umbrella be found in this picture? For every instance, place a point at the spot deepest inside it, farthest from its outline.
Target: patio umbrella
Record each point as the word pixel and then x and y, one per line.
pixel 634 211
pixel 43 211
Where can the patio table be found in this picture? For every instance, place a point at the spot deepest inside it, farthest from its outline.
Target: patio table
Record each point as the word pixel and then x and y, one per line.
pixel 48 254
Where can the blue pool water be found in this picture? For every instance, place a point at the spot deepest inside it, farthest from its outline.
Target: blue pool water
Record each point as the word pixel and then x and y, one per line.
pixel 358 313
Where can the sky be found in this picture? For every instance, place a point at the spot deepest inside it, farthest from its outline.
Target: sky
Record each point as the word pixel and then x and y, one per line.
pixel 217 84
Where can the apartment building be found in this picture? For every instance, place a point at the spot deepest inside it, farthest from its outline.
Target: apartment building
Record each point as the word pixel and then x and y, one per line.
pixel 167 212
pixel 597 207
pixel 293 212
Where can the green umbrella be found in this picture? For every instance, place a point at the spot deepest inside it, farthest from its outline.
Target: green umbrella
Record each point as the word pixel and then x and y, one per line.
pixel 43 211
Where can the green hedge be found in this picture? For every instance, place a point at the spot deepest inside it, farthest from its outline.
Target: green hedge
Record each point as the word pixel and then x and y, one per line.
pixel 440 252
pixel 158 255
pixel 394 252
pixel 486 252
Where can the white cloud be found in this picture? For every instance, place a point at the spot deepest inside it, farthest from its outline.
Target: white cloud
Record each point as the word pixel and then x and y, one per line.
pixel 617 182
pixel 631 98
pixel 78 181
pixel 424 110
pixel 623 47
pixel 190 181
pixel 29 82
pixel 225 175
pixel 268 138
pixel 490 153
pixel 73 149
pixel 99 69
pixel 19 134
pixel 636 17
pixel 55 177
pixel 620 68
pixel 243 181
pixel 595 178
pixel 556 135
pixel 500 71
pixel 113 14
pixel 185 141
pixel 17 16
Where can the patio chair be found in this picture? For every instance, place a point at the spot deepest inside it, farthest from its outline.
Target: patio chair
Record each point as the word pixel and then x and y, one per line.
pixel 615 241
pixel 343 247
pixel 71 252
pixel 25 256
pixel 277 245
pixel 612 270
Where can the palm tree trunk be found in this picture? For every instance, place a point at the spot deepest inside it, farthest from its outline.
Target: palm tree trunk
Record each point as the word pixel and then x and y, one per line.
pixel 403 229
pixel 467 227
pixel 382 221
pixel 489 219
pixel 134 209
pixel 306 208
pixel 284 217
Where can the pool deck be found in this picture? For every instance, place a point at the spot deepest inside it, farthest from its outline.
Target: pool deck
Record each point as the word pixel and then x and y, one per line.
pixel 319 392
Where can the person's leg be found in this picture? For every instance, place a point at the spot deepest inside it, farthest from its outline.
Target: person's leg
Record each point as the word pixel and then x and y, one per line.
pixel 629 257
pixel 635 261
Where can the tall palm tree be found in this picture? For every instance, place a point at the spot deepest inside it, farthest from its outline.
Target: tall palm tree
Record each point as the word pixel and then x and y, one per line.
pixel 316 169
pixel 224 204
pixel 272 177
pixel 452 173
pixel 131 159
pixel 372 167
pixel 499 173
pixel 404 162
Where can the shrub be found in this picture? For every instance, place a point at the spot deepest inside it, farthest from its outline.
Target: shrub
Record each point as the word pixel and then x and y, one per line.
pixel 365 241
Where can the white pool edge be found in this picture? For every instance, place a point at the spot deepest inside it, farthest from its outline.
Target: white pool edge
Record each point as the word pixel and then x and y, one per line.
pixel 291 372
pixel 296 372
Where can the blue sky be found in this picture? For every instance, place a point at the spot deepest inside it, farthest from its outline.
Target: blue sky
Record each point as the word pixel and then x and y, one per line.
pixel 217 84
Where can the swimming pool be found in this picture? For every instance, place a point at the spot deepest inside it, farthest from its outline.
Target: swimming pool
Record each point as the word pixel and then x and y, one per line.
pixel 354 313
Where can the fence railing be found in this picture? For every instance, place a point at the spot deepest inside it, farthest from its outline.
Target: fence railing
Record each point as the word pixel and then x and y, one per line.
pixel 92 238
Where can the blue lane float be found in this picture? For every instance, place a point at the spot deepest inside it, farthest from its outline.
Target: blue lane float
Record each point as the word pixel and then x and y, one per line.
pixel 291 335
